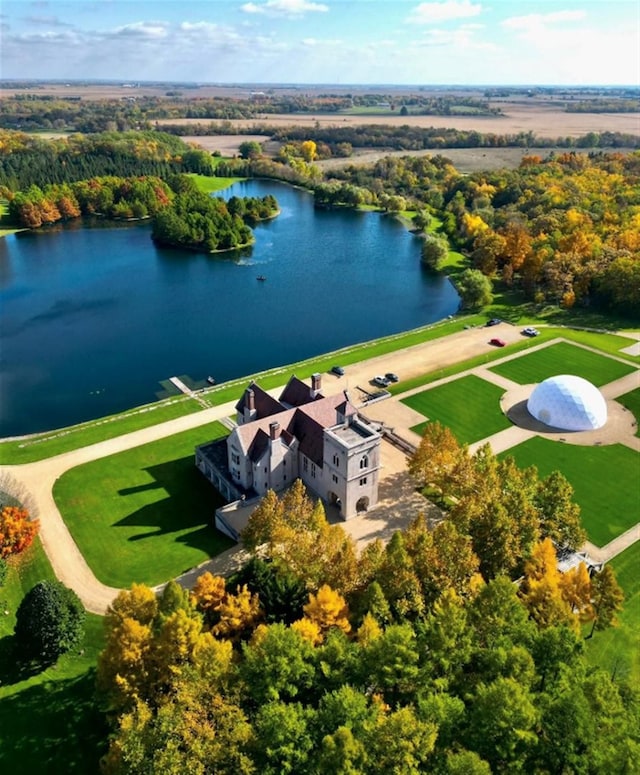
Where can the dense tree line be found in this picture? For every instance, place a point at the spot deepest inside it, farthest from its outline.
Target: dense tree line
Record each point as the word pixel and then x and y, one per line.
pixel 406 658
pixel 32 112
pixel 564 230
pixel 27 160
pixel 199 222
pixel 111 197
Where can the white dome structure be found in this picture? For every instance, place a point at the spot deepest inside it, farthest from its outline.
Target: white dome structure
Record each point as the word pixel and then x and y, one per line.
pixel 568 402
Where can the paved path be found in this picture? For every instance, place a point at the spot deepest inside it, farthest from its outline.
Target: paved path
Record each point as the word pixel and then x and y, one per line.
pixel 398 503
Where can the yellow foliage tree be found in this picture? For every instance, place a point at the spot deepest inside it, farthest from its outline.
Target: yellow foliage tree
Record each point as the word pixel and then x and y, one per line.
pixel 309 630
pixel 328 609
pixel 575 588
pixel 124 666
pixel 309 150
pixel 239 614
pixel 541 590
pixel 368 631
pixel 208 592
pixel 139 603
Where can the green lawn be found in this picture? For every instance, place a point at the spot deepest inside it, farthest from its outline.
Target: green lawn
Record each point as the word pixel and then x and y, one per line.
pixel 144 515
pixel 208 183
pixel 616 649
pixel 44 445
pixel 563 358
pixel 50 722
pixel 605 480
pixel 632 402
pixel 469 406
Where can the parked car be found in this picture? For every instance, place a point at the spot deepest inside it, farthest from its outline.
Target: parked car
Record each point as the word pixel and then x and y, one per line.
pixel 391 377
pixel 338 371
pixel 497 342
pixel 493 322
pixel 380 381
pixel 530 331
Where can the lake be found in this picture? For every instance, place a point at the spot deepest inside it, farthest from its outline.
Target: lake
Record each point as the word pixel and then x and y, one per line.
pixel 93 319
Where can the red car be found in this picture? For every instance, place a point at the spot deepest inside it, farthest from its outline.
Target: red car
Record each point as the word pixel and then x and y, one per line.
pixel 497 342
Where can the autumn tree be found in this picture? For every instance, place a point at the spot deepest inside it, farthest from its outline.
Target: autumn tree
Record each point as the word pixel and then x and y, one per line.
pixel 328 609
pixel 49 622
pixel 17 530
pixel 437 457
pixel 607 599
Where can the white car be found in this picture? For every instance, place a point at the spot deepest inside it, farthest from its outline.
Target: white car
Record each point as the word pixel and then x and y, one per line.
pixel 380 381
pixel 530 331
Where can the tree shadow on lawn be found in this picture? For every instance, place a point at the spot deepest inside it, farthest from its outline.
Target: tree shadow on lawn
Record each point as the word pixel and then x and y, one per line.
pixel 14 669
pixel 190 502
pixel 52 727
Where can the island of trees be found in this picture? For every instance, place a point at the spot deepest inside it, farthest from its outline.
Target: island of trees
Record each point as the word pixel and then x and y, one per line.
pixel 199 222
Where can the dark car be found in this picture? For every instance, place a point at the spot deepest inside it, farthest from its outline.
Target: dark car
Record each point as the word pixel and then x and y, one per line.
pixel 338 371
pixel 391 376
pixel 493 322
pixel 497 342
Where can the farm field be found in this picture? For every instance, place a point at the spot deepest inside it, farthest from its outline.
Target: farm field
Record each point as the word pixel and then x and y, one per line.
pixel 562 358
pixel 469 406
pixel 541 119
pixel 143 515
pixel 605 481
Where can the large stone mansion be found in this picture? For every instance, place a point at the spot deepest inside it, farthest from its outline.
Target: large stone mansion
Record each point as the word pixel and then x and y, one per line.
pixel 302 434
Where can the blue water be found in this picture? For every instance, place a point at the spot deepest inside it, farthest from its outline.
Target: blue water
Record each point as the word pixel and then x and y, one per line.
pixel 92 319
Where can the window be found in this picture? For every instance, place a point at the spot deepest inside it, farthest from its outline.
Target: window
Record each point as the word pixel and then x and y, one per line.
pixel 235 458
pixel 335 478
pixel 313 470
pixel 305 464
pixel 363 481
pixel 364 462
pixel 336 460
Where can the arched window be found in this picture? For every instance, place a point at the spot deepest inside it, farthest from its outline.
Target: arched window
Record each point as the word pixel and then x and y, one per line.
pixel 364 462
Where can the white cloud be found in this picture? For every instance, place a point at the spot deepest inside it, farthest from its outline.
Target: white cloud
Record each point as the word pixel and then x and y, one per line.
pixel 153 30
pixel 285 7
pixel 435 13
pixel 537 20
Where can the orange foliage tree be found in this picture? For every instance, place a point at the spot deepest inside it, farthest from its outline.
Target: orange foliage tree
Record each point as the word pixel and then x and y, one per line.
pixel 17 531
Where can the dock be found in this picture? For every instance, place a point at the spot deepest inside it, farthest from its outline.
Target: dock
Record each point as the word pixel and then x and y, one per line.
pixel 179 384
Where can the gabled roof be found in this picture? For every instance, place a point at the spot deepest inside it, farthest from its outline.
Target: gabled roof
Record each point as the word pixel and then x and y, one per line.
pixel 265 404
pixel 297 393
pixel 305 423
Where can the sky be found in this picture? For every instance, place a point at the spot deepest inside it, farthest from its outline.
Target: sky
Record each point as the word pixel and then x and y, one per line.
pixel 563 42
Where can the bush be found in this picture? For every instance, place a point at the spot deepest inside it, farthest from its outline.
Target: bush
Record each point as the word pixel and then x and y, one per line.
pixel 49 622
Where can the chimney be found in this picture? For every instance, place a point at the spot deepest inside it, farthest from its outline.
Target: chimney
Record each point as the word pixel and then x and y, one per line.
pixel 250 401
pixel 316 382
pixel 274 427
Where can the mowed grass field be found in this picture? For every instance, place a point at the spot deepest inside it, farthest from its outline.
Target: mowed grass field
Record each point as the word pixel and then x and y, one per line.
pixel 605 480
pixel 50 720
pixel 616 649
pixel 632 402
pixel 563 358
pixel 469 406
pixel 144 515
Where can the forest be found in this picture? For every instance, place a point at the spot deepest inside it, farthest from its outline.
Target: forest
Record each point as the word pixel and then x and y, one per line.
pixel 27 160
pixel 421 655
